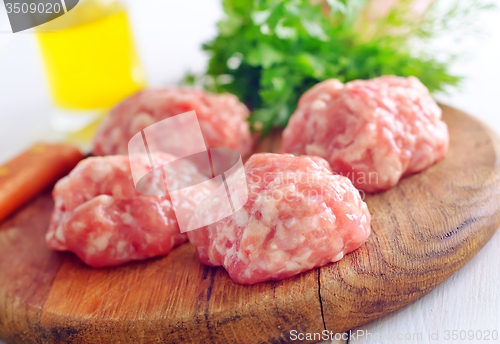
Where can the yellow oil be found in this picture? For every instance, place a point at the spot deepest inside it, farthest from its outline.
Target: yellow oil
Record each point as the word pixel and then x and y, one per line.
pixel 90 57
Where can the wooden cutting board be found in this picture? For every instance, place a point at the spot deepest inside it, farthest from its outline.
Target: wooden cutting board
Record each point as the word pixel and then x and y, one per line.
pixel 423 231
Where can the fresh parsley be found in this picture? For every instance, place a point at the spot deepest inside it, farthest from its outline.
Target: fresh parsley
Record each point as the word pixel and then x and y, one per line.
pixel 269 52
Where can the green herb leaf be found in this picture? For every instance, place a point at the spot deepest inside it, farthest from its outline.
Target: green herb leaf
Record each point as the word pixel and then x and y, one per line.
pixel 269 52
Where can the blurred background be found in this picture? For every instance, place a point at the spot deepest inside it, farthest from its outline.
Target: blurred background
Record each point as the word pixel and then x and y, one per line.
pixel 169 35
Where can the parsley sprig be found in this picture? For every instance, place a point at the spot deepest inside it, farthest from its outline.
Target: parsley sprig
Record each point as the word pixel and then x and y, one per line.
pixel 269 52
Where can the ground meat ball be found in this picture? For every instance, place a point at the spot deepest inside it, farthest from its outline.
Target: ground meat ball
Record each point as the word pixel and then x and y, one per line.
pixel 222 119
pixel 102 218
pixel 298 216
pixel 373 132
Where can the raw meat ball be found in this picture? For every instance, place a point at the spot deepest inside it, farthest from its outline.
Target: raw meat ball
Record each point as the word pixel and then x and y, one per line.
pixel 373 132
pixel 222 119
pixel 101 217
pixel 298 216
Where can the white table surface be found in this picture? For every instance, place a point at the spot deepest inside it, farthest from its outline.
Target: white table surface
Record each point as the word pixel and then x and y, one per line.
pixel 169 34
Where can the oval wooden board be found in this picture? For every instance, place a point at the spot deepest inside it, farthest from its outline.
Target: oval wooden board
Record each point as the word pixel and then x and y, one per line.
pixel 424 230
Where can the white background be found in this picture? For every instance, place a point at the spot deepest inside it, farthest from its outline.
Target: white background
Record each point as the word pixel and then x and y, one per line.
pixel 169 34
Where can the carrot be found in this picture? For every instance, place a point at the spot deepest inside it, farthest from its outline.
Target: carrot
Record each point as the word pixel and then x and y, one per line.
pixel 32 172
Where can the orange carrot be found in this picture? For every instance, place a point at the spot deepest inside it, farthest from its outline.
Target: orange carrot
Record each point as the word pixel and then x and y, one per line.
pixel 32 172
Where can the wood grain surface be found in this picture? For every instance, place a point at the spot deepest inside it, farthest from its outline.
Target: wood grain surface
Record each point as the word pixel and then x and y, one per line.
pixel 424 230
